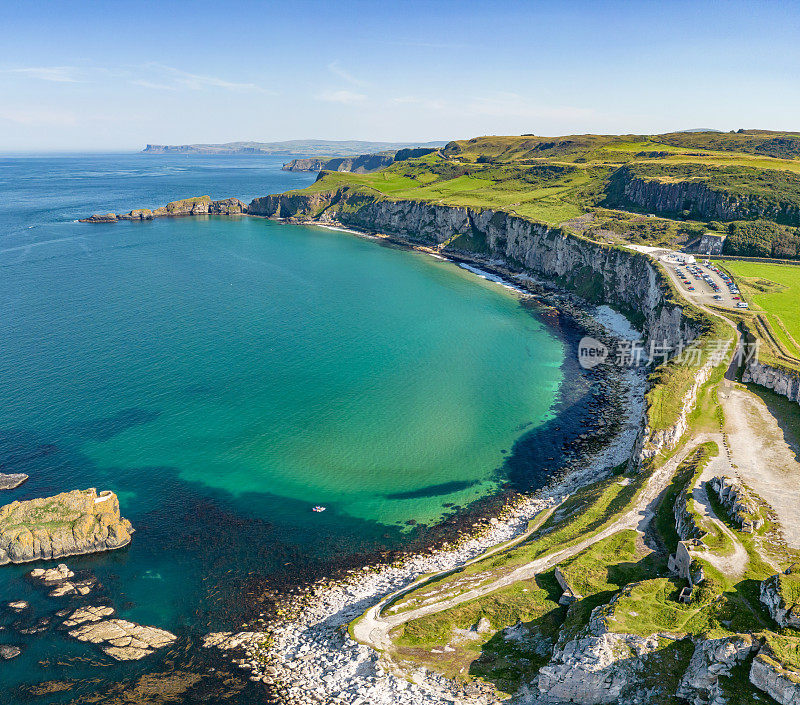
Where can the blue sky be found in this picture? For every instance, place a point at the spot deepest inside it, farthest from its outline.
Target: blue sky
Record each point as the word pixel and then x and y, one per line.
pixel 115 75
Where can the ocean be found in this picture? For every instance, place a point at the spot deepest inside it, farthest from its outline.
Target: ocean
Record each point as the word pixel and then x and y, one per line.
pixel 225 375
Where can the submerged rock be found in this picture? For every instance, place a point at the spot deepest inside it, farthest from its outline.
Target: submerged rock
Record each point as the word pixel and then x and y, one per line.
pixel 67 524
pixel 7 652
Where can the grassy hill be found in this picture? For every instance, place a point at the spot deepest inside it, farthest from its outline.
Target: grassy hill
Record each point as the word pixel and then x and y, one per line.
pixel 662 189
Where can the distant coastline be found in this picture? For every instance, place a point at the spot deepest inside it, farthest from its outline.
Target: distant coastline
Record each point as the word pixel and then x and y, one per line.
pixel 290 148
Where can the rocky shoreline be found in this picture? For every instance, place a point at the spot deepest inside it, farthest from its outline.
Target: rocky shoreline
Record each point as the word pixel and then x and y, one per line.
pixel 306 654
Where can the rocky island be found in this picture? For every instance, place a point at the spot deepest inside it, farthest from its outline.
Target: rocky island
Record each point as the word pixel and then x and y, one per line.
pixel 68 524
pixel 197 205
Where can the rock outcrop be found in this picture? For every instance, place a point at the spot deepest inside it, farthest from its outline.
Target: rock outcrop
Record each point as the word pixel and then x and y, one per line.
pixel 713 658
pixel 780 683
pixel 8 481
pixel 595 670
pixel 199 205
pixel 62 583
pixel 779 381
pixel 781 595
pixel 67 524
pixel 120 639
pixel 739 501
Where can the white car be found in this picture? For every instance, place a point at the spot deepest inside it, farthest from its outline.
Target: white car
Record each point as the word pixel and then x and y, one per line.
pixel 742 304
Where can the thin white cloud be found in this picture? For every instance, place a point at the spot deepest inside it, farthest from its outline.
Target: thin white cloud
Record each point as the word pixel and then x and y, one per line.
pixel 344 97
pixel 153 85
pixel 55 74
pixel 335 68
pixel 169 77
pixel 422 102
pixel 38 116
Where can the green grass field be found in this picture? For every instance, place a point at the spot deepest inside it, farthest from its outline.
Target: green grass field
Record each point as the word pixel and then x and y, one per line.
pixel 775 289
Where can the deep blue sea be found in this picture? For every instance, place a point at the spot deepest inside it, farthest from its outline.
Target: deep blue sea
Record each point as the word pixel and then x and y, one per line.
pixel 224 375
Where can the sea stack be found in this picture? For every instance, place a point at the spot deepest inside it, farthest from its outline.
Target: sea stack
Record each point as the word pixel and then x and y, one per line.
pixel 68 524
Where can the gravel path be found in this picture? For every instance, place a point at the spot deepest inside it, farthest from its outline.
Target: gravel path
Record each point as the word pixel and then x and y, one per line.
pixel 764 459
pixel 374 627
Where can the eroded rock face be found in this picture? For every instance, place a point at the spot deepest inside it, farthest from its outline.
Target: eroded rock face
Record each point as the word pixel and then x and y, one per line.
pixel 772 595
pixel 779 381
pixel 67 524
pixel 596 669
pixel 713 658
pixel 780 684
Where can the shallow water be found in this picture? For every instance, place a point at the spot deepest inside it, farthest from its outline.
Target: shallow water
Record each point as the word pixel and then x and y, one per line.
pixel 224 375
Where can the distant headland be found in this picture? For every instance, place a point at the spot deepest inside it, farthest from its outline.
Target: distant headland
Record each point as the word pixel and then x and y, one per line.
pixel 290 148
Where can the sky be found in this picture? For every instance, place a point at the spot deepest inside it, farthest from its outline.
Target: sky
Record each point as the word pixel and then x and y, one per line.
pixel 115 75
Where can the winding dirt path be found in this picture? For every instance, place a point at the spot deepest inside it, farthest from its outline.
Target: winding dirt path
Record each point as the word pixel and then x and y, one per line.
pixel 373 627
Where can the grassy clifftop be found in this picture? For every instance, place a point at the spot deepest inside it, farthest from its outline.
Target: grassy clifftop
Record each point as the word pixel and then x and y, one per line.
pixel 663 190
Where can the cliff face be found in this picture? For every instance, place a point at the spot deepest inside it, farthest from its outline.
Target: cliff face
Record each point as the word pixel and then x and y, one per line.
pixel 67 524
pixel 623 278
pixel 362 164
pixel 698 197
pixel 779 381
pixel 774 597
pixel 779 683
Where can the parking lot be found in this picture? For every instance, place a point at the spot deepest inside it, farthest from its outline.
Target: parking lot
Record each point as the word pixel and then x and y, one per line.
pixel 704 283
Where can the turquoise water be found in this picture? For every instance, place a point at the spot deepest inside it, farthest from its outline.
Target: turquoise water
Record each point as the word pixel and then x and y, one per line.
pixel 223 376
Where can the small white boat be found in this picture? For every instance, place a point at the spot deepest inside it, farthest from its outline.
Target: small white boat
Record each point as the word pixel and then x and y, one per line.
pixel 318 508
